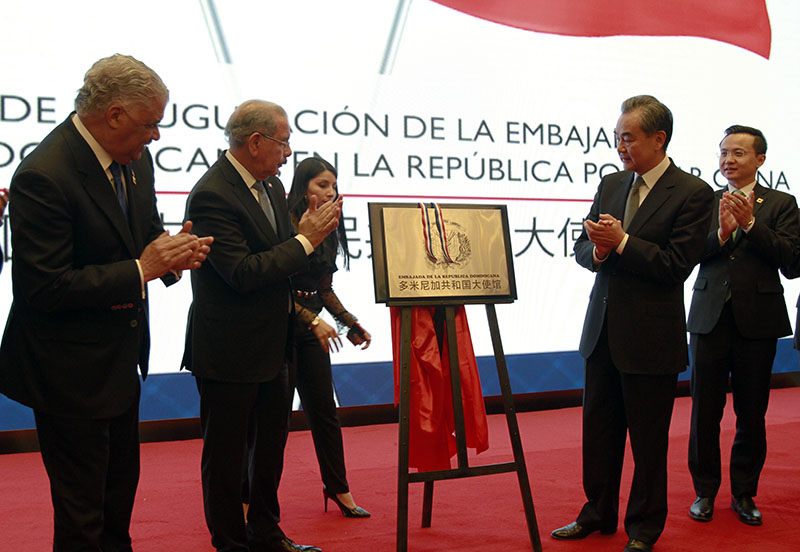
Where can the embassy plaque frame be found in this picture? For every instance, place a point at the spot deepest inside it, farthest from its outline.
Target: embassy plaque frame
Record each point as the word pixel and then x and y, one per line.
pixel 443 256
pixel 460 254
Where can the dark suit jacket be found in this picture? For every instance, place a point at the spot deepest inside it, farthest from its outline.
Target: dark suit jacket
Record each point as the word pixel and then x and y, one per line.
pixel 641 291
pixel 78 324
pixel 2 255
pixel 238 327
pixel 748 265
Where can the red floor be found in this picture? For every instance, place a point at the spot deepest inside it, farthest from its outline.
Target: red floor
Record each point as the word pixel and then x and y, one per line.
pixel 482 513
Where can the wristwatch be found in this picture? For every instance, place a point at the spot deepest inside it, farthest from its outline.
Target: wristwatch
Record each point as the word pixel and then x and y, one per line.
pixel 314 323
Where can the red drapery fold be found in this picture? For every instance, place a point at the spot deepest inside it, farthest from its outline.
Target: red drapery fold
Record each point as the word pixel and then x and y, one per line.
pixel 431 438
pixel 743 23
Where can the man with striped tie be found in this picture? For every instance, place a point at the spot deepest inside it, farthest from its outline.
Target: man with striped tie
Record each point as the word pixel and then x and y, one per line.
pixel 87 237
pixel 738 313
pixel 238 333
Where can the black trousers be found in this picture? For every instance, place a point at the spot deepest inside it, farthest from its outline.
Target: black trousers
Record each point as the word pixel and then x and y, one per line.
pixel 616 404
pixel 93 466
pixel 715 356
pixel 312 377
pixel 243 424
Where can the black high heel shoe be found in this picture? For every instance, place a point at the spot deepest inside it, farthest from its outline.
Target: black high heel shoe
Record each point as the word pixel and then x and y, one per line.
pixel 357 512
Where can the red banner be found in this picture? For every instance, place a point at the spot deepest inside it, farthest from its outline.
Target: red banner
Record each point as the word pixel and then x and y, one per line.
pixel 743 23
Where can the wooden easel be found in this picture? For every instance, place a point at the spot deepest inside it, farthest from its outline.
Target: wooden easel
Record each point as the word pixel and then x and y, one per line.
pixel 463 469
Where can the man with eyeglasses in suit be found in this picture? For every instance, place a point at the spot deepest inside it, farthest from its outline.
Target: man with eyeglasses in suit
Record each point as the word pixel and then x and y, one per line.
pixel 738 312
pixel 87 238
pixel 238 334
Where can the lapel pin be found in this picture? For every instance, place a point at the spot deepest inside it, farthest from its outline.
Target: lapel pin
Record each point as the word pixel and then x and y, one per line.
pixel 760 200
pixel 133 177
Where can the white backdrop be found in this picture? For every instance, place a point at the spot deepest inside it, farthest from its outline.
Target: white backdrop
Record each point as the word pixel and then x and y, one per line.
pixel 464 110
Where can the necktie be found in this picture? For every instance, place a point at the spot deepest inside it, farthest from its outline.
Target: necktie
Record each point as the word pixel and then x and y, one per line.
pixel 265 203
pixel 633 202
pixel 119 186
pixel 736 230
pixel 733 239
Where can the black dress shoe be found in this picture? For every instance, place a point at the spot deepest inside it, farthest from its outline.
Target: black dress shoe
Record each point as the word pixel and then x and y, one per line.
pixel 576 531
pixel 288 545
pixel 702 509
pixel 746 508
pixel 635 545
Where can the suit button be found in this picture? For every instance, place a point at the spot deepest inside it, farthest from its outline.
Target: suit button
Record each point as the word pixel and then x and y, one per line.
pixel 732 257
pixel 724 282
pixel 605 300
pixel 134 323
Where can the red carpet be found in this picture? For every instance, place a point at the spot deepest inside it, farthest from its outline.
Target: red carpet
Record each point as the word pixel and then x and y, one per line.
pixel 483 513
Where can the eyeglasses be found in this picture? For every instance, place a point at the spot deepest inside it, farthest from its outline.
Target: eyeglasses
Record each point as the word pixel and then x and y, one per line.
pixel 149 126
pixel 736 154
pixel 284 145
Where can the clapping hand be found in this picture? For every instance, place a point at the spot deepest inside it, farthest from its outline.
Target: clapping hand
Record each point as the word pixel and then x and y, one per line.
pixel 183 251
pixel 317 222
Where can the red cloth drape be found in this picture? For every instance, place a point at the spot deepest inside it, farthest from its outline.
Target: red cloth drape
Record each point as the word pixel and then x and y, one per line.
pixel 431 438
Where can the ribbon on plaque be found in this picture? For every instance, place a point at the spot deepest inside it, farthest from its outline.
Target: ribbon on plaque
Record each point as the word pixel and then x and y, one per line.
pixel 440 230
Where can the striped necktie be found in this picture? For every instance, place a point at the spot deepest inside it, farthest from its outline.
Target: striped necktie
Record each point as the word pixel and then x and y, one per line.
pixel 119 186
pixel 736 230
pixel 265 203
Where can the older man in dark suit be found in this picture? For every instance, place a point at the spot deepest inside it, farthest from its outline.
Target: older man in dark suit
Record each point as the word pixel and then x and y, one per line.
pixel 643 236
pixel 738 313
pixel 238 337
pixel 87 238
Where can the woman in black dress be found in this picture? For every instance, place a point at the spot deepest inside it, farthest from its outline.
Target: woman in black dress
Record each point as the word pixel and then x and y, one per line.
pixel 314 338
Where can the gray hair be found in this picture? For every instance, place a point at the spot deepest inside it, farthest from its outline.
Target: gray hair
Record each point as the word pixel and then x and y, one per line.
pixel 121 79
pixel 653 115
pixel 252 116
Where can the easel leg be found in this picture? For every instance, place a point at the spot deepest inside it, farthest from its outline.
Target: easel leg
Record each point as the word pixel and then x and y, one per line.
pixel 402 464
pixel 513 429
pixel 427 504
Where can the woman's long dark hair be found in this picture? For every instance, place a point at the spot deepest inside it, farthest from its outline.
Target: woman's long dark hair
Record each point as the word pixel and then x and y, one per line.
pixel 337 240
